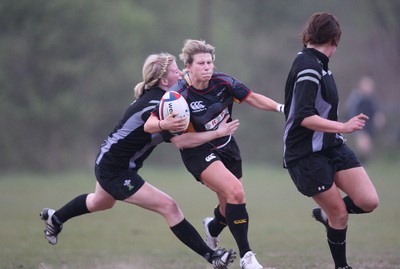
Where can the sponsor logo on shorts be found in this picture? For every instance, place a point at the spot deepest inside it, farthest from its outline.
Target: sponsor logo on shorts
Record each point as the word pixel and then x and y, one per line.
pixel 321 188
pixel 239 221
pixel 210 157
pixel 128 184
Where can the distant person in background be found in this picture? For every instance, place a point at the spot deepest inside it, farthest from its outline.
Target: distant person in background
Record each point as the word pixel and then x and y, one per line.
pixel 365 99
pixel 122 154
pixel 217 164
pixel 319 162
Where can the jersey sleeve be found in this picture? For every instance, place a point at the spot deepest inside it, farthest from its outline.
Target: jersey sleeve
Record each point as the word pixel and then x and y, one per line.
pixel 306 89
pixel 146 114
pixel 156 112
pixel 239 90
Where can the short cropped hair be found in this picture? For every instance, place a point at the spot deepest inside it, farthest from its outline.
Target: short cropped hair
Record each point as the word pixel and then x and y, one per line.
pixel 192 47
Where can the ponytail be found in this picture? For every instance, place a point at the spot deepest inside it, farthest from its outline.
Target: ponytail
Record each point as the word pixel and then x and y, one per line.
pixel 139 89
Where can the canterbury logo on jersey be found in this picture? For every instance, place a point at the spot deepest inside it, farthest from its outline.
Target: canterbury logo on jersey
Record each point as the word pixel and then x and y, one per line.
pixel 197 106
pixel 239 221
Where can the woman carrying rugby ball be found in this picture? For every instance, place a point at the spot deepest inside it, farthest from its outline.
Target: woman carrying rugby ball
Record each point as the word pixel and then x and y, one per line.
pixel 217 163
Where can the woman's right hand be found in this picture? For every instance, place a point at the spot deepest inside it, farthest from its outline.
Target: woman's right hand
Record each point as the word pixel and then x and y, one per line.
pixel 227 128
pixel 355 123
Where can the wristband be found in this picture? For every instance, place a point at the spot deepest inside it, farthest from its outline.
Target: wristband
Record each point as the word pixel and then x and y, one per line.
pixel 280 108
pixel 159 126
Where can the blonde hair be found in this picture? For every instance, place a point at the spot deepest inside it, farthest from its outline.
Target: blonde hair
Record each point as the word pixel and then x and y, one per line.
pixel 155 67
pixel 192 47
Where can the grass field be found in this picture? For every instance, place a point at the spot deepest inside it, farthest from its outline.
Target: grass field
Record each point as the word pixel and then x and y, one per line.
pixel 282 233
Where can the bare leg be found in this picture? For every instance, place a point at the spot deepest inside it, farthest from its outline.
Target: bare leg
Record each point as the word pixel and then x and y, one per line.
pixel 153 199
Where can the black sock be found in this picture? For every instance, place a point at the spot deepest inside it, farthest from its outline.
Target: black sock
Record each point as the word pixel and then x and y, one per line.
pixel 337 245
pixel 73 208
pixel 238 222
pixel 217 224
pixel 191 238
pixel 351 207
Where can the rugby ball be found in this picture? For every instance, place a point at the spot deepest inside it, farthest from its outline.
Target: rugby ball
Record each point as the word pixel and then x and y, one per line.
pixel 173 102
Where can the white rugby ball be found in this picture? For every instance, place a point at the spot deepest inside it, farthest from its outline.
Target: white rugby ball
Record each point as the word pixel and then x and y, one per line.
pixel 173 102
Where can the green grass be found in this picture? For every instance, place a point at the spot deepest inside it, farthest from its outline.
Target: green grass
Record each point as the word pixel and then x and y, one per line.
pixel 282 233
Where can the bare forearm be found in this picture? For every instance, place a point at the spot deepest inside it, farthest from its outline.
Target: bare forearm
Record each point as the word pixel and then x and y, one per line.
pixel 262 102
pixel 193 139
pixel 153 125
pixel 320 124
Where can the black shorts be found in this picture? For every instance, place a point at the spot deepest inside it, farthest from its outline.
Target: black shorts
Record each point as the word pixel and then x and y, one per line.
pixel 316 173
pixel 198 159
pixel 119 184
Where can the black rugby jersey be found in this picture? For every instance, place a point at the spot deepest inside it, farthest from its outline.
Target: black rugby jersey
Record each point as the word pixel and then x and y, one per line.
pixel 128 145
pixel 310 90
pixel 209 106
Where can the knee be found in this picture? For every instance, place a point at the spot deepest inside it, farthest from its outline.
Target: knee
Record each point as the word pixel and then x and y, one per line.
pixel 102 206
pixel 94 203
pixel 236 196
pixel 369 204
pixel 374 204
pixel 169 207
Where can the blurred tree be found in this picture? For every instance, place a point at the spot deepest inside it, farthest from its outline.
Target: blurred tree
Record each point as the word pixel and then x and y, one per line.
pixel 205 19
pixel 56 57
